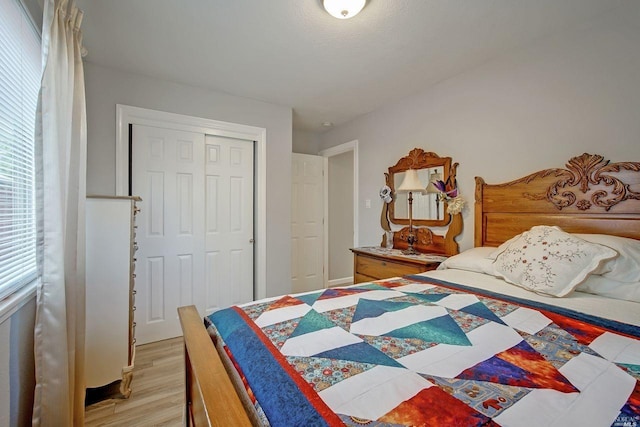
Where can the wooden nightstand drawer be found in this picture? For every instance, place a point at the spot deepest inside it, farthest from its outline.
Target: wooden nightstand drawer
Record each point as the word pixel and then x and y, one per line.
pixel 376 263
pixel 383 269
pixel 361 278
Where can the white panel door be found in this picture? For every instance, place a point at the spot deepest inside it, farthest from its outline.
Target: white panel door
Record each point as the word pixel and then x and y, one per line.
pixel 228 221
pixel 307 211
pixel 174 262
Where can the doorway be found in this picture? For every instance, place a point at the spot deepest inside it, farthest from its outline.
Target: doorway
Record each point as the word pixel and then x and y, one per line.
pixel 341 211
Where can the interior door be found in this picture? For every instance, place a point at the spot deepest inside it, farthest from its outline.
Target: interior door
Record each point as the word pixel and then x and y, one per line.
pixel 307 212
pixel 189 251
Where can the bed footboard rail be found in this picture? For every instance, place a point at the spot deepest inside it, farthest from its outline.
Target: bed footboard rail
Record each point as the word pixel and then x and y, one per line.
pixel 211 399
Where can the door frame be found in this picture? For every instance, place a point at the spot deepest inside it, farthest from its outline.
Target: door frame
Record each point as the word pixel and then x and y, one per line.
pixel 330 152
pixel 126 114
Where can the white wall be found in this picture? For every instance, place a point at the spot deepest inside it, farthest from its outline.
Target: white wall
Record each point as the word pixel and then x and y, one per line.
pixel 305 142
pixel 575 92
pixel 107 87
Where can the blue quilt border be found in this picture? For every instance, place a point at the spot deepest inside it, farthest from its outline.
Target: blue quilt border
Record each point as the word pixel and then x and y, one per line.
pixel 612 325
pixel 281 390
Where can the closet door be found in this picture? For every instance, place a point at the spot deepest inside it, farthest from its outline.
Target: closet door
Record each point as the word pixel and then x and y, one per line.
pixel 197 208
pixel 228 199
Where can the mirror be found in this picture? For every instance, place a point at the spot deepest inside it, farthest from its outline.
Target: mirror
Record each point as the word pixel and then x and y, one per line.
pixel 425 206
pixel 427 209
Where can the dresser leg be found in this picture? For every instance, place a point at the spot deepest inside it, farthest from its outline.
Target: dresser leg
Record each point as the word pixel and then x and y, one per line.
pixel 125 385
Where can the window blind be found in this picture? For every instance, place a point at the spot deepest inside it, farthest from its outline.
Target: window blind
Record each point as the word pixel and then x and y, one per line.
pixel 20 70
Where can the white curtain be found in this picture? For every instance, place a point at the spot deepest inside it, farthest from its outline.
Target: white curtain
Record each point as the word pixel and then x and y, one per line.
pixel 61 141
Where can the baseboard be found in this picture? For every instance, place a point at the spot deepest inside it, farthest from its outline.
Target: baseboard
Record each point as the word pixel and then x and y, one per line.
pixel 341 282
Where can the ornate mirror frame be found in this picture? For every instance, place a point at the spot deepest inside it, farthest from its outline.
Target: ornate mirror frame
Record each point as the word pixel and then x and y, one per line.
pixel 418 159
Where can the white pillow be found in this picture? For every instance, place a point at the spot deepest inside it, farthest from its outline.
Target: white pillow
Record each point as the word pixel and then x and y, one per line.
pixel 626 266
pixel 497 251
pixel 600 285
pixel 548 261
pixel 475 259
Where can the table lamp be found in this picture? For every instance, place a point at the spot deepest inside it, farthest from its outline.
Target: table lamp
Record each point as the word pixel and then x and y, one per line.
pixel 411 184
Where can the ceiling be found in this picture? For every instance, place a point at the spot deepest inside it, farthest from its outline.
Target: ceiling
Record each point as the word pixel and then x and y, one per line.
pixel 292 53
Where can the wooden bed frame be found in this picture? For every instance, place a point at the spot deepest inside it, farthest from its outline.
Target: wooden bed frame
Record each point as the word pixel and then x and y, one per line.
pixel 591 195
pixel 211 398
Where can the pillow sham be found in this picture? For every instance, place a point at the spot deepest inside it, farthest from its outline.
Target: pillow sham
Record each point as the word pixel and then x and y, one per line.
pixel 603 286
pixel 474 259
pixel 626 266
pixel 497 251
pixel 548 261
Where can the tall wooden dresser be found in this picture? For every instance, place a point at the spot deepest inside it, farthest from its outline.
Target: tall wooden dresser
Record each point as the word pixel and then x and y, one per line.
pixel 110 294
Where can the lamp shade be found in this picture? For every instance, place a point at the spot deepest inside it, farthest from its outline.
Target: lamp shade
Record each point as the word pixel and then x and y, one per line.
pixel 436 176
pixel 412 183
pixel 343 9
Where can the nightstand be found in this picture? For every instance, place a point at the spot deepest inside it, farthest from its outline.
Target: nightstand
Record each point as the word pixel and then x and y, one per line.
pixel 375 263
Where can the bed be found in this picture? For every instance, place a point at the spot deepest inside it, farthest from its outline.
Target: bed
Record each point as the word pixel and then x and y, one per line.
pixel 539 324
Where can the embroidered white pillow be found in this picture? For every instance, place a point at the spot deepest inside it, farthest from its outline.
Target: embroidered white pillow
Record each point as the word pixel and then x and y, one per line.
pixel 548 261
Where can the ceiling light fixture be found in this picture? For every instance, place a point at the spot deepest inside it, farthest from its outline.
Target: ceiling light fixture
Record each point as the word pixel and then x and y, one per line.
pixel 343 9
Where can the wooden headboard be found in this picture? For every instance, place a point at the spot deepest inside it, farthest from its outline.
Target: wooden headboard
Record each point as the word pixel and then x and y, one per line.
pixel 591 195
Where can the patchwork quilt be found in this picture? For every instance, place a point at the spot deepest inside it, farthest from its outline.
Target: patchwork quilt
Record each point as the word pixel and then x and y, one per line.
pixel 414 351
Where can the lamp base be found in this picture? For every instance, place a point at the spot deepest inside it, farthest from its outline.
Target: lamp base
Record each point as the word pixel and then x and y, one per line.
pixel 410 251
pixel 411 238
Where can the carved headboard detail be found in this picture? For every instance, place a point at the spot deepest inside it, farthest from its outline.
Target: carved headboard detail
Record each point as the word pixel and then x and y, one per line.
pixel 591 195
pixel 583 172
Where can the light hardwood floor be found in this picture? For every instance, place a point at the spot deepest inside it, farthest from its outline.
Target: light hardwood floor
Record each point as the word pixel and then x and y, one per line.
pixel 157 390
